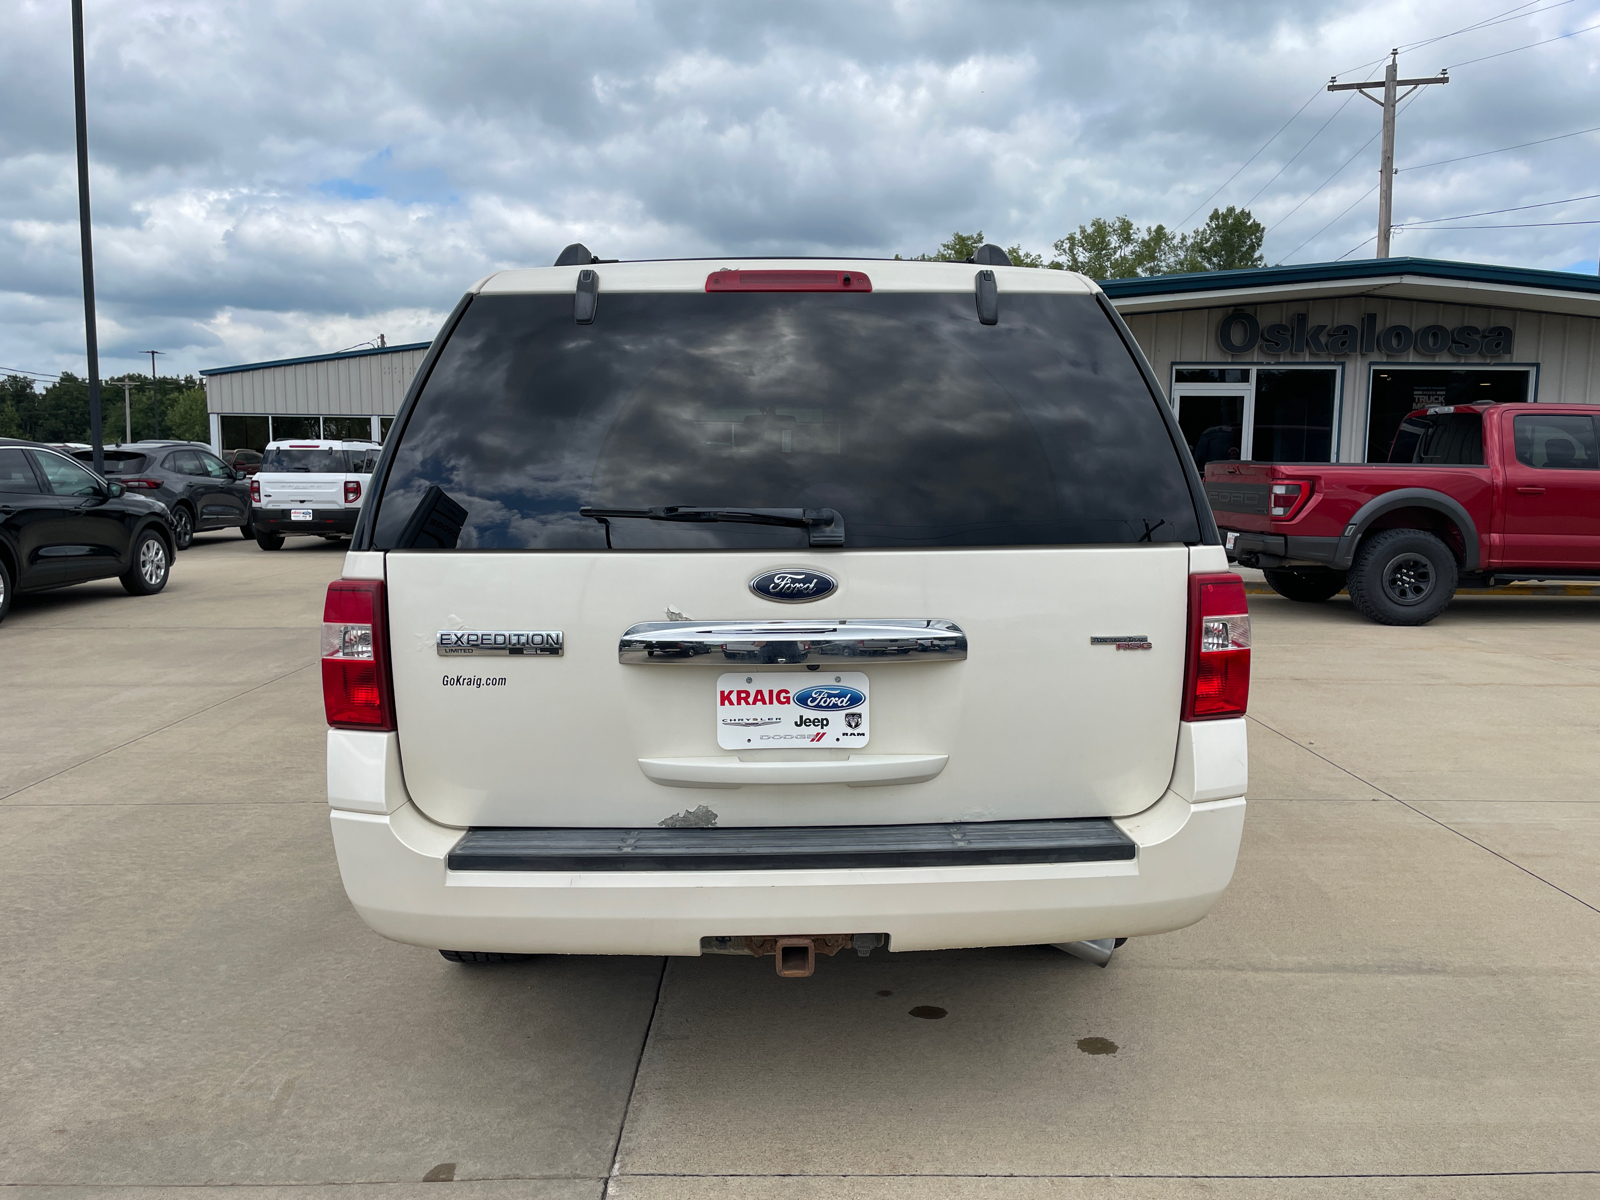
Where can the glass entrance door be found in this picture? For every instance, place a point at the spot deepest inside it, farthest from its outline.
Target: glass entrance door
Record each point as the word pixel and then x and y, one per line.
pixel 1212 424
pixel 1280 414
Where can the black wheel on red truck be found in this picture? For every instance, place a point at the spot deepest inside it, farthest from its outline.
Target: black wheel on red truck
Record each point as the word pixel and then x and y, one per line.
pixel 1402 577
pixel 1311 585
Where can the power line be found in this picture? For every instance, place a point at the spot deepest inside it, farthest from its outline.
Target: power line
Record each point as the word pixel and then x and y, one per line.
pixel 1250 160
pixel 22 371
pixel 1353 249
pixel 1407 104
pixel 1500 18
pixel 1494 212
pixel 1515 14
pixel 1329 226
pixel 1529 225
pixel 1529 46
pixel 1298 153
pixel 1502 150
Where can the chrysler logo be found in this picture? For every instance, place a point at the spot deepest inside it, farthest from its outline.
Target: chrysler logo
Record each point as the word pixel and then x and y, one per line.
pixel 793 585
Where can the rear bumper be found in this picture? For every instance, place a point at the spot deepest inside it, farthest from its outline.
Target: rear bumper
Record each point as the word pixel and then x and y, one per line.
pixel 1251 549
pixel 393 861
pixel 323 520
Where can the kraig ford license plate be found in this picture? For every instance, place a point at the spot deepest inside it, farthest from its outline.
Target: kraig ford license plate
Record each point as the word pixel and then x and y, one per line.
pixel 300 514
pixel 788 711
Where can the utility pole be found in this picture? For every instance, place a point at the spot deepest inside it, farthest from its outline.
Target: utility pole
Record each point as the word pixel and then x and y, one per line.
pixel 155 406
pixel 1390 86
pixel 127 410
pixel 91 339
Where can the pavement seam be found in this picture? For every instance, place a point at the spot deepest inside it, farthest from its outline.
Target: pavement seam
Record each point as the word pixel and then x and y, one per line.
pixel 1428 816
pixel 152 732
pixel 638 1066
pixel 1101 1175
pixel 324 1183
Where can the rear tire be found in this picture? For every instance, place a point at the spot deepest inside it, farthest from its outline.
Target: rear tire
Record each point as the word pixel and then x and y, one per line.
pixel 6 588
pixel 182 527
pixel 1402 577
pixel 474 957
pixel 269 541
pixel 247 530
pixel 152 565
pixel 1311 586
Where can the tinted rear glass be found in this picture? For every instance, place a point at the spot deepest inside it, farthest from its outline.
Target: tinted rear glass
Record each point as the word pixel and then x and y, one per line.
pixel 920 426
pixel 316 462
pixel 1440 439
pixel 117 462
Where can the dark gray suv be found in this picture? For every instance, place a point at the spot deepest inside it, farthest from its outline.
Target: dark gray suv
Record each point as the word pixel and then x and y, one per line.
pixel 201 491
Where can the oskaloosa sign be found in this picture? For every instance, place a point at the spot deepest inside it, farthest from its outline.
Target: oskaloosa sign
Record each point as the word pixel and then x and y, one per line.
pixel 1240 333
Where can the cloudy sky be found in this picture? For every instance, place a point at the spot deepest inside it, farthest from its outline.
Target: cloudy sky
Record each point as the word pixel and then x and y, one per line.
pixel 274 178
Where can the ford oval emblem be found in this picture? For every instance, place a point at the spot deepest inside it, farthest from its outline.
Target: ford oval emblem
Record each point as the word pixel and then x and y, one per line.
pixel 794 585
pixel 829 697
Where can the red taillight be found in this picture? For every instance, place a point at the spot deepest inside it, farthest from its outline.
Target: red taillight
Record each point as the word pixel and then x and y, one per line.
pixel 255 491
pixel 787 281
pixel 1287 498
pixel 1217 678
pixel 352 490
pixel 356 688
pixel 148 485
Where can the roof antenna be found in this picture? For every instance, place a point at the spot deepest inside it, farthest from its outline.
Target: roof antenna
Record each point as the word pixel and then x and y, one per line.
pixel 575 255
pixel 990 255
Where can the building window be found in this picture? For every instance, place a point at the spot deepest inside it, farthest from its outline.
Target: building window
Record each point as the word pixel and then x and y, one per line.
pixel 307 428
pixel 351 428
pixel 244 433
pixel 1265 414
pixel 1397 389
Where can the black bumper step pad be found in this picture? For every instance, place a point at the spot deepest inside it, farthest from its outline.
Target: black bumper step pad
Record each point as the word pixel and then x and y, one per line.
pixel 965 844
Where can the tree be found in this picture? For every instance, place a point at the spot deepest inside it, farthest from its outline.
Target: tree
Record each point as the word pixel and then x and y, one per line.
pixel 962 247
pixel 16 394
pixel 1230 240
pixel 1116 249
pixel 184 416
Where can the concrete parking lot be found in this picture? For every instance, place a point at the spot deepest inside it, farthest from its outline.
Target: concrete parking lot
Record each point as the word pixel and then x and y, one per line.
pixel 1397 997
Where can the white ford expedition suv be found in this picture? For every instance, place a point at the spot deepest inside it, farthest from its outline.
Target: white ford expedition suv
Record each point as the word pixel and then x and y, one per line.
pixel 310 486
pixel 781 608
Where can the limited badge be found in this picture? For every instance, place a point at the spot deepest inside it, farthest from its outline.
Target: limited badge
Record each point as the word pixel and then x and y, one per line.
pixel 453 642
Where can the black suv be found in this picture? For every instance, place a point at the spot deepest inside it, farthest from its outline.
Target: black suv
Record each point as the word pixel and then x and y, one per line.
pixel 60 524
pixel 201 491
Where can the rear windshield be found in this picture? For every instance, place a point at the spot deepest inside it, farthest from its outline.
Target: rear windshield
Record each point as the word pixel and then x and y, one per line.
pixel 917 424
pixel 1441 439
pixel 315 462
pixel 118 462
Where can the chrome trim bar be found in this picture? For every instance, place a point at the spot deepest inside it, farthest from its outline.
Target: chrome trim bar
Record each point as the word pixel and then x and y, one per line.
pixel 808 643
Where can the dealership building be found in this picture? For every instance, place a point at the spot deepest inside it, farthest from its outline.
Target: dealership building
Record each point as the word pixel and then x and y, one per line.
pixel 354 394
pixel 1319 363
pixel 1314 363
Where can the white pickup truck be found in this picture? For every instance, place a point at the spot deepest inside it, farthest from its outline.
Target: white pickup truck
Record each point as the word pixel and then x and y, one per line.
pixel 310 486
pixel 784 608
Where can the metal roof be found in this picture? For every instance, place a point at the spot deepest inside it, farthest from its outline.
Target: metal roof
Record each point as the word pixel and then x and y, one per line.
pixel 1400 278
pixel 315 358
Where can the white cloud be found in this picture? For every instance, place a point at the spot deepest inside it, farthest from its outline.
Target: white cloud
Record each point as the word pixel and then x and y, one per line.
pixel 280 178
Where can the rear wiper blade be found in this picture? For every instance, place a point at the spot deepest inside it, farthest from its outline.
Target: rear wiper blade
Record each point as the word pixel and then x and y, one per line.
pixel 823 526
